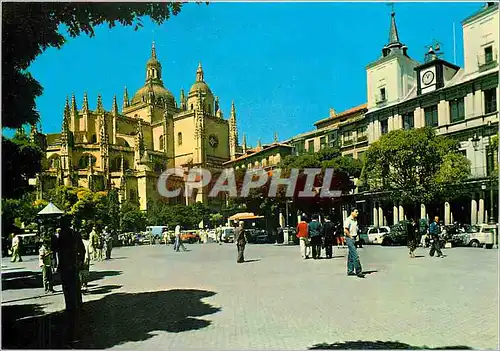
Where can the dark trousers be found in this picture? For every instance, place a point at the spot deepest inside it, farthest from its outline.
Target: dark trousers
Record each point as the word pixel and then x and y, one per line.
pixel 72 298
pixel 328 247
pixel 353 264
pixel 241 251
pixel 316 246
pixel 47 277
pixel 435 246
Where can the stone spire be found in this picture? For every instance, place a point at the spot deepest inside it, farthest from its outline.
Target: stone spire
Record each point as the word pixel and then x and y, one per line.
pixel 100 107
pixel 65 123
pixel 394 45
pixel 153 50
pixel 393 30
pixel 199 73
pixel 74 108
pixel 233 132
pixel 115 106
pixel 85 102
pixel 244 143
pixel 259 144
pixel 126 102
pixel 183 100
pixel 275 137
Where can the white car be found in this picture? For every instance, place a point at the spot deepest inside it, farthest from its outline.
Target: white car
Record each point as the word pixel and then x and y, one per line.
pixel 227 234
pixel 376 234
pixel 212 234
pixel 482 235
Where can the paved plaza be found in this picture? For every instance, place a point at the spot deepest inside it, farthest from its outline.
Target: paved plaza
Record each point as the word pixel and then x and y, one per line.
pixel 150 297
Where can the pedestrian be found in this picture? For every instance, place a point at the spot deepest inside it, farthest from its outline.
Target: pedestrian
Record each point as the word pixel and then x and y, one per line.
pixel 94 243
pixel 71 254
pixel 165 236
pixel 339 234
pixel 85 268
pixel 178 242
pixel 314 229
pixel 219 234
pixel 108 242
pixel 54 237
pixel 412 234
pixel 45 262
pixel 303 235
pixel 351 231
pixel 434 234
pixel 329 236
pixel 240 240
pixel 16 248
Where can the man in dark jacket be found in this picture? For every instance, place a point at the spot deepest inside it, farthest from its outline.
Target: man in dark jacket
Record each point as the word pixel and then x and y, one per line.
pixel 240 240
pixel 434 233
pixel 329 236
pixel 71 253
pixel 315 231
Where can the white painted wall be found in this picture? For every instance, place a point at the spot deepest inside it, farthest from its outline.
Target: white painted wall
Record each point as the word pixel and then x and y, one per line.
pixel 481 32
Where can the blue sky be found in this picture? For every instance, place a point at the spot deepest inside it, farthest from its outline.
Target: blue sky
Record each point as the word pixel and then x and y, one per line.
pixel 284 64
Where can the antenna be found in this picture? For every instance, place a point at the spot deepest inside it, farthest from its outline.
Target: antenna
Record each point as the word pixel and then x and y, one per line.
pixel 454 46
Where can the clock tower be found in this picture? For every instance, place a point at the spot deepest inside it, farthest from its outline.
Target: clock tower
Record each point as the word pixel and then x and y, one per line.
pixel 435 72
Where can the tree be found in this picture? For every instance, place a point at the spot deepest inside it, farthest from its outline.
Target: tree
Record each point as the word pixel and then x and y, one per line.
pixel 216 219
pixel 21 160
pixel 132 218
pixel 415 165
pixel 28 29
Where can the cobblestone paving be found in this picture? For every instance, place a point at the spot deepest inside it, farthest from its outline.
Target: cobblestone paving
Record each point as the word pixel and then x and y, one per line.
pixel 150 297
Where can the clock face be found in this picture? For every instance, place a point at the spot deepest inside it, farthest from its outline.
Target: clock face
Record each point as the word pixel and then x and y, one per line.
pixel 428 77
pixel 213 140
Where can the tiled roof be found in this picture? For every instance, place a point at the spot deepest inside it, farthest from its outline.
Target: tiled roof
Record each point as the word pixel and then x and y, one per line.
pixel 344 113
pixel 255 151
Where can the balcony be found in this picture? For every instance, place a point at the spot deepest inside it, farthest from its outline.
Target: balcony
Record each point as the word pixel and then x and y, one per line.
pixel 487 61
pixel 347 142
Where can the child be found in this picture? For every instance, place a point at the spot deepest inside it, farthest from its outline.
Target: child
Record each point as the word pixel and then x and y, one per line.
pixel 45 256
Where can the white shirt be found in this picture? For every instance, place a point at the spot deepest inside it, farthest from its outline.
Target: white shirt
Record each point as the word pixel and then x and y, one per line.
pixel 352 226
pixel 177 230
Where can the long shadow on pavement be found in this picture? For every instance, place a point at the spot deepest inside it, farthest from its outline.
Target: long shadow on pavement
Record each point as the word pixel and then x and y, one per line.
pixel 113 320
pixel 380 345
pixel 33 279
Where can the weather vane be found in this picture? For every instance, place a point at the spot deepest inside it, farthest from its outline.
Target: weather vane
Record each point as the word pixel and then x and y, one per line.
pixel 391 4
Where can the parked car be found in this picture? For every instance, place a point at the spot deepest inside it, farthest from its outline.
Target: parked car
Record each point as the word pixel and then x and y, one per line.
pixel 212 234
pixel 227 234
pixel 190 237
pixel 262 236
pixel 374 235
pixel 480 235
pixel 396 236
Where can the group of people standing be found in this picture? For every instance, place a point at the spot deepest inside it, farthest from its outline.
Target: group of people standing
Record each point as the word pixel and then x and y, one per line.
pixel 313 236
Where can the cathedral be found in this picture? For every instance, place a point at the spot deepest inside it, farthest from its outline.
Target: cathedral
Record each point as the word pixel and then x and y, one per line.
pixel 128 150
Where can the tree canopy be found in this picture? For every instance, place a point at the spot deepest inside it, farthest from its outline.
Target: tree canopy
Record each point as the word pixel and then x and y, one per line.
pixel 415 165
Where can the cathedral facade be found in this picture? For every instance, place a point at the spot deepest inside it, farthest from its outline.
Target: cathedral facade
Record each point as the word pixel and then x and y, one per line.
pixel 129 150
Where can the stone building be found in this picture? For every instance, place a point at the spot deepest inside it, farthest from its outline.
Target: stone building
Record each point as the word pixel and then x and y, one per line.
pixel 129 149
pixel 461 103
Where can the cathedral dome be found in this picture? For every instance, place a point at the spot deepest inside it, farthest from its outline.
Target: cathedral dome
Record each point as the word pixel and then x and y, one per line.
pixel 200 86
pixel 159 93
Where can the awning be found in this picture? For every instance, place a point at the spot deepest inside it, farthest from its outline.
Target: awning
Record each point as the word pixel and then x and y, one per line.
pixel 244 215
pixel 50 209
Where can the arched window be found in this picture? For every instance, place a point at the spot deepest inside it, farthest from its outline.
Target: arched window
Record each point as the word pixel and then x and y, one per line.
pixel 264 163
pixel 83 162
pixel 54 161
pixel 115 164
pixel 162 142
pixel 93 139
pixel 192 107
pixel 179 138
pixel 126 164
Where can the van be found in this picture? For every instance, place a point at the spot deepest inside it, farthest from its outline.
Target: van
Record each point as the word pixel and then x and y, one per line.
pixel 227 234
